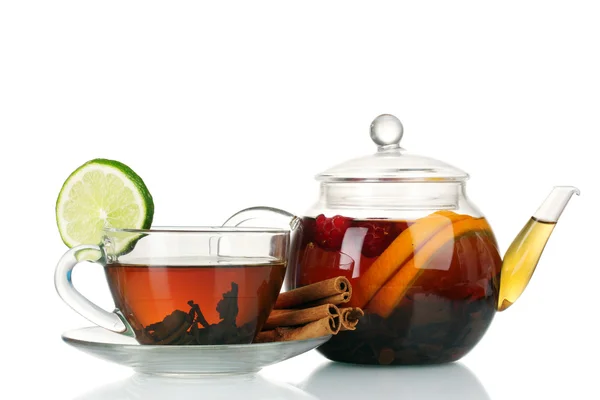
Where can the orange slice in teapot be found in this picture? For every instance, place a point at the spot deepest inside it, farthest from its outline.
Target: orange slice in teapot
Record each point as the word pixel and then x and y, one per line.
pixel 399 252
pixel 390 295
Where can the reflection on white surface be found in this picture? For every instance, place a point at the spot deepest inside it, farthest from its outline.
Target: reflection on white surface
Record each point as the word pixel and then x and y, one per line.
pixel 360 382
pixel 328 381
pixel 151 387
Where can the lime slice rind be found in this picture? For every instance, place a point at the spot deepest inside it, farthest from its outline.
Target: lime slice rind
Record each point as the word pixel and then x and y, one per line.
pixel 88 255
pixel 103 193
pixel 120 243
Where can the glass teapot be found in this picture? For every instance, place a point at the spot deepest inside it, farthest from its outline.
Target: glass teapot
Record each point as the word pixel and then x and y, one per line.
pixel 423 261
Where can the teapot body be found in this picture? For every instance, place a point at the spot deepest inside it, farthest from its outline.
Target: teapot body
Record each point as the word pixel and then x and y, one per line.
pixel 423 263
pixel 422 260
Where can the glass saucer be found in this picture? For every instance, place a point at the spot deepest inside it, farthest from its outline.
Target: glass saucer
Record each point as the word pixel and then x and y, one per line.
pixel 185 360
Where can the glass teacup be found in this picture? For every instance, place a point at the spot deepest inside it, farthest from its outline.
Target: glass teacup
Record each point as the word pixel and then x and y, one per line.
pixel 183 286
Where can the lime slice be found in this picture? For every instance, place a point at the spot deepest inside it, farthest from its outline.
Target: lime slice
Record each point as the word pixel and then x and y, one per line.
pixel 102 193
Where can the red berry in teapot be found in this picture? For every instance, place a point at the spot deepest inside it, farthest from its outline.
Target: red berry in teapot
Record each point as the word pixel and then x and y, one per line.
pixel 378 237
pixel 329 232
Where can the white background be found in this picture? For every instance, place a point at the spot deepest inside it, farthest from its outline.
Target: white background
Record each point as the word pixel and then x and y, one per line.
pixel 224 105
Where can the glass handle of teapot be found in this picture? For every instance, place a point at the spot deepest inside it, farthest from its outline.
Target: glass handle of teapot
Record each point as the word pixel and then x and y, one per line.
pixel 272 215
pixel 67 292
pixel 274 218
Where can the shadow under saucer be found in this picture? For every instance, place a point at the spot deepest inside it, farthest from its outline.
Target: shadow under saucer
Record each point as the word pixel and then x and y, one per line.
pixel 335 380
pixel 160 387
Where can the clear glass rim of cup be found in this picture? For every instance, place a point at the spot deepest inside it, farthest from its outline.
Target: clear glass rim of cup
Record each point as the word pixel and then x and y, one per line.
pixel 197 229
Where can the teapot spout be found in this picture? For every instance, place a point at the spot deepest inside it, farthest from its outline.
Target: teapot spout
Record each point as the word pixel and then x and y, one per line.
pixel 555 203
pixel 523 255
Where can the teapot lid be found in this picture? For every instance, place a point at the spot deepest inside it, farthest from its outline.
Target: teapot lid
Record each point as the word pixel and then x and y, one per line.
pixel 391 162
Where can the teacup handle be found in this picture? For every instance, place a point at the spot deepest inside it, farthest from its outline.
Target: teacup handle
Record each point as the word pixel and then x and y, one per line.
pixel 113 321
pixel 276 218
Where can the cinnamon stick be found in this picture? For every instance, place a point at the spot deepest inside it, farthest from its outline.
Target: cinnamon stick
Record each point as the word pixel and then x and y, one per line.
pixel 322 327
pixel 336 300
pixel 315 292
pixel 349 318
pixel 295 317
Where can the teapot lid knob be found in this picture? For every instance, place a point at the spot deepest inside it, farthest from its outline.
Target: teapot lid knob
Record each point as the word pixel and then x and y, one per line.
pixel 386 131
